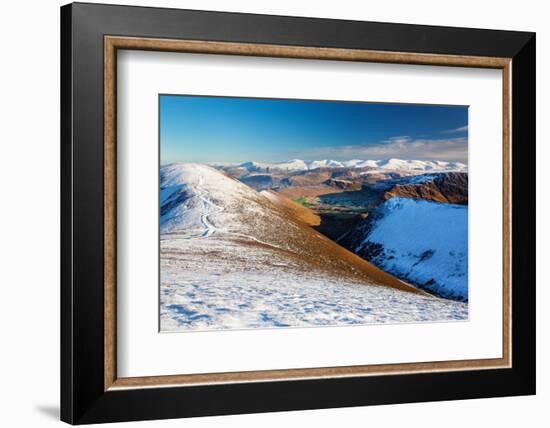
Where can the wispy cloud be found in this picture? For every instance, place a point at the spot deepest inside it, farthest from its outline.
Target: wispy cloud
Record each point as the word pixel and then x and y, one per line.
pixel 456 130
pixel 404 147
pixel 399 139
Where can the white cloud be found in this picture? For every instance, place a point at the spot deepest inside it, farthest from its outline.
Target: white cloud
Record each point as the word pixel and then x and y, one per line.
pixel 403 147
pixel 456 130
pixel 399 139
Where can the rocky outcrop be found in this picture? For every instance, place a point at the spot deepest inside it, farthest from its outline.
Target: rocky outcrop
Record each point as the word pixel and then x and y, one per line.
pixel 449 187
pixel 343 184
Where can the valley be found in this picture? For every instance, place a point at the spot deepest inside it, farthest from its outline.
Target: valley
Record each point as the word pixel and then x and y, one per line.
pixel 345 198
pixel 292 244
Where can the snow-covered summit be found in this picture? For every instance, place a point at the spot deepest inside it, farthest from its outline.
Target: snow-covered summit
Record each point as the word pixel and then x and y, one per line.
pixel 326 163
pixel 410 166
pixel 196 198
pixel 291 165
pixel 419 165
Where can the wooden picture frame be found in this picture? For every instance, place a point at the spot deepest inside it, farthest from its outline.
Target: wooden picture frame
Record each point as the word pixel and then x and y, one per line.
pixel 91 390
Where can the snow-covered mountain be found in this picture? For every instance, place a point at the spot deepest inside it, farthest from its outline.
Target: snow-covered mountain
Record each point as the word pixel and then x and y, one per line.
pixel 327 163
pixel 419 165
pixel 412 166
pixel 423 242
pixel 232 257
pixel 291 165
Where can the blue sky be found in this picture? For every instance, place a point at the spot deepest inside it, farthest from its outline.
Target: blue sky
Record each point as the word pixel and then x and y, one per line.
pixel 224 129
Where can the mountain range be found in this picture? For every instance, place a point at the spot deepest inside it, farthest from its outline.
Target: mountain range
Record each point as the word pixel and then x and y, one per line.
pixel 235 257
pixel 419 166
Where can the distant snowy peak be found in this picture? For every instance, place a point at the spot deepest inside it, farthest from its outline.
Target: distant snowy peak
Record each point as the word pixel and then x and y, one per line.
pixel 327 163
pixel 411 166
pixel 418 165
pixel 292 165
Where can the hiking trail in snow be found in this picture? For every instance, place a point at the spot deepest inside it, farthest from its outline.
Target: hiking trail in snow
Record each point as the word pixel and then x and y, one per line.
pixel 207 204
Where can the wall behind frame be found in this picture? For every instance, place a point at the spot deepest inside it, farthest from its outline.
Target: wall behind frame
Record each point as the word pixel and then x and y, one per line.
pixel 29 220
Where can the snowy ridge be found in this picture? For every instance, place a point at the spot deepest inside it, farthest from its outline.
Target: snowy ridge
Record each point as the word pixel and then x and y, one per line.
pixel 411 166
pixel 423 242
pixel 188 197
pixel 231 259
pixel 419 165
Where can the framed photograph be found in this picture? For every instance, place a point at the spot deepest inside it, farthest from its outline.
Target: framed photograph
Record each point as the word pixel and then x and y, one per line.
pixel 266 213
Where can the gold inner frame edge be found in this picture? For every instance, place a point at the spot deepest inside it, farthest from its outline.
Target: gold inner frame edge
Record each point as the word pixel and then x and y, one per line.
pixel 113 43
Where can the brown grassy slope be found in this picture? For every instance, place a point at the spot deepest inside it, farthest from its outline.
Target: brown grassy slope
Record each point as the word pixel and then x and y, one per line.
pixel 327 255
pixel 264 234
pixel 295 210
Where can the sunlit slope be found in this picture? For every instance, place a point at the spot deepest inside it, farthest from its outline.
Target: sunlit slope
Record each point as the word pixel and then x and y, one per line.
pixel 230 257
